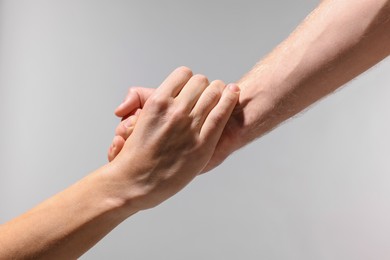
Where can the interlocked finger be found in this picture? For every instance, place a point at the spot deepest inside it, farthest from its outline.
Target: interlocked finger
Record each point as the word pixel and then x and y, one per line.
pixel 206 102
pixel 191 92
pixel 217 118
pixel 125 128
pixel 174 83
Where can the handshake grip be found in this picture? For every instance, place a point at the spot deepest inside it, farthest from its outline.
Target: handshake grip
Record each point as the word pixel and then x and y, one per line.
pixel 170 134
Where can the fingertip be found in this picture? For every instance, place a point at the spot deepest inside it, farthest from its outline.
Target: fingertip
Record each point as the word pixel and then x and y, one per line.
pixel 115 148
pixel 231 94
pixel 137 112
pixel 234 87
pixel 221 112
pixel 119 111
pixel 131 102
pixel 185 70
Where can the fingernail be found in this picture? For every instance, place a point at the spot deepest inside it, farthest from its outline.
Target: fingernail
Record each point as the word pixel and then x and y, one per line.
pixel 234 88
pixel 129 122
pixel 137 112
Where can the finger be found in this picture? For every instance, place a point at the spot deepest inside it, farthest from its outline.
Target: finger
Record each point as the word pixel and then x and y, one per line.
pixel 137 112
pixel 191 92
pixel 117 144
pixel 220 114
pixel 207 102
pixel 133 113
pixel 136 98
pixel 173 84
pixel 125 128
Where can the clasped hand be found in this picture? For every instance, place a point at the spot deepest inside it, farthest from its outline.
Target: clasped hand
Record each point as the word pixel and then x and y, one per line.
pixel 173 137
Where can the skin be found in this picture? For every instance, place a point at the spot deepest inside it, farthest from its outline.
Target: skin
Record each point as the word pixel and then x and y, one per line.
pixel 338 41
pixel 175 136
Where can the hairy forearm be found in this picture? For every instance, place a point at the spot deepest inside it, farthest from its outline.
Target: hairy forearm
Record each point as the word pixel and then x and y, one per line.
pixel 335 43
pixel 68 224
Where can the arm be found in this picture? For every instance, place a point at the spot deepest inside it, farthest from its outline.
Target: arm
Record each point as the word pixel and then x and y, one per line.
pixel 69 223
pixel 174 138
pixel 338 41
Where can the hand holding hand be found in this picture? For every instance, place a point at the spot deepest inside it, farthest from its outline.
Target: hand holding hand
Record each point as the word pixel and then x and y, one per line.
pixel 134 102
pixel 175 136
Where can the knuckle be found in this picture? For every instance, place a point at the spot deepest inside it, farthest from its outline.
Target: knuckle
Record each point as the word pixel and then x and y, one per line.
pixel 201 79
pixel 159 102
pixel 132 89
pixel 179 114
pixel 218 117
pixel 218 83
pixel 185 71
pixel 230 98
pixel 197 121
pixel 213 95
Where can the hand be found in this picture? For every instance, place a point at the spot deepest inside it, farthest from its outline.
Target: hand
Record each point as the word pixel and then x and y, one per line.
pixel 128 111
pixel 174 137
pixel 135 101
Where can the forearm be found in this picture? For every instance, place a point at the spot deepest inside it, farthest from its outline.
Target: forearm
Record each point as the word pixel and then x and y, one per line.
pixel 68 224
pixel 174 137
pixel 338 41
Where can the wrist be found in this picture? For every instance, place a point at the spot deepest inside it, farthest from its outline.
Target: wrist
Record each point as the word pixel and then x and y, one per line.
pixel 252 116
pixel 118 190
pixel 129 184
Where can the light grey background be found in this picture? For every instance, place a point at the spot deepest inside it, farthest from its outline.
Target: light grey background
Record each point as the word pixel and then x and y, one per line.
pixel 318 187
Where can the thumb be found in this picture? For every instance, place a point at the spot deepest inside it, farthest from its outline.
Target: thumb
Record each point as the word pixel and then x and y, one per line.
pixel 135 99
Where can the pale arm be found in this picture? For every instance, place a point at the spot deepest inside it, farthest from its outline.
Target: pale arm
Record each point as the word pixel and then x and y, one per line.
pixel 69 223
pixel 175 136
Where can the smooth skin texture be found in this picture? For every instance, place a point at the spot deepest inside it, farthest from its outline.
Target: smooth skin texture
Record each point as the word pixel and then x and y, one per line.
pixel 175 136
pixel 338 41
